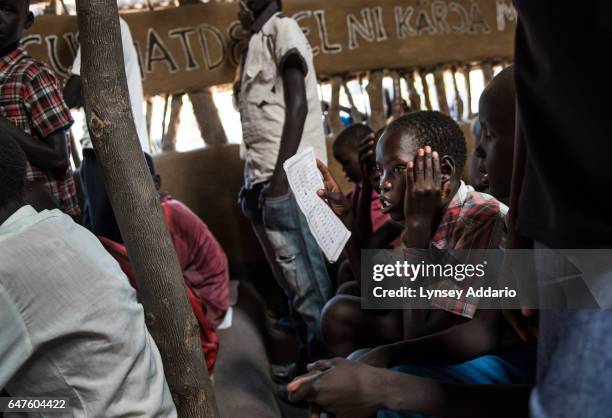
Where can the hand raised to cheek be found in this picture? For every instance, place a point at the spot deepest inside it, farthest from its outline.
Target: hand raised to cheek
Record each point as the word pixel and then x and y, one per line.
pixel 425 194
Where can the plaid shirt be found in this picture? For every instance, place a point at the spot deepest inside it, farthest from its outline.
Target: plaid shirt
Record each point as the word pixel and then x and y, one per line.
pixel 31 98
pixel 472 221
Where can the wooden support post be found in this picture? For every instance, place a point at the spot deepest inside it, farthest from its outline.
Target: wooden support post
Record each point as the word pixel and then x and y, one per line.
pixel 487 72
pixel 169 139
pixel 377 107
pixel 413 95
pixel 135 202
pixel 398 102
pixel 425 84
pixel 207 116
pixel 355 113
pixel 458 100
pixel 468 87
pixel 441 90
pixel 335 123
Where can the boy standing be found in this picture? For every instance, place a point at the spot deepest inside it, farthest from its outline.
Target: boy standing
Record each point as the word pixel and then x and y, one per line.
pixel 32 110
pixel 281 114
pixel 98 214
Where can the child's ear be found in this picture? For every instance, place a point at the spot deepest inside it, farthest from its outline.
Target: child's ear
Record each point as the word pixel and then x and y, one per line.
pixel 29 20
pixel 448 166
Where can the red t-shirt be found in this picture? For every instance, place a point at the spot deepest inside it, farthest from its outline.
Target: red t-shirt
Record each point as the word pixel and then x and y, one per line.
pixel 202 259
pixel 378 218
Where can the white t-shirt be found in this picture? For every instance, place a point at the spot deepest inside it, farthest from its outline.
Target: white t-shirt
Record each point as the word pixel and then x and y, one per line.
pixel 134 81
pixel 70 324
pixel 262 97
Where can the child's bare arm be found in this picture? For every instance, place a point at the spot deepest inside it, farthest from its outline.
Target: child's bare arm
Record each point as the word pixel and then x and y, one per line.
pixel 50 154
pixel 474 338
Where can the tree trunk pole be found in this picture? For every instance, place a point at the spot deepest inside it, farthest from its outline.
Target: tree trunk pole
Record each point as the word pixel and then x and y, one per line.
pixel 335 123
pixel 207 116
pixel 136 204
pixel 377 107
pixel 169 138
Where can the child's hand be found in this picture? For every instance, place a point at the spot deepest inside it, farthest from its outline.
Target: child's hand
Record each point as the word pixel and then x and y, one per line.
pixel 367 159
pixel 334 196
pixel 424 196
pixel 346 389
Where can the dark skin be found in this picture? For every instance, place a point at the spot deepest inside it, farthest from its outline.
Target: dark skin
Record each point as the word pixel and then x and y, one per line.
pixel 348 156
pixel 50 154
pixel 73 94
pixel 8 210
pixel 477 174
pixel 371 175
pixel 296 105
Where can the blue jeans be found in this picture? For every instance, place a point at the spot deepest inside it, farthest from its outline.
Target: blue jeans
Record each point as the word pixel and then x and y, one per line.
pixel 514 367
pixel 575 346
pixel 295 257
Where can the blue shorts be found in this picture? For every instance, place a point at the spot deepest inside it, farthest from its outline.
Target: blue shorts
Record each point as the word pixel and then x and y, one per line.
pixel 514 367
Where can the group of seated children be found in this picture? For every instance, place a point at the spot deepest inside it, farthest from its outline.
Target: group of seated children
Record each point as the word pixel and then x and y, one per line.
pixel 453 359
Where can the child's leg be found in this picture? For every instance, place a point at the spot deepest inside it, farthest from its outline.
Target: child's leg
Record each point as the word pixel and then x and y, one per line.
pixel 346 327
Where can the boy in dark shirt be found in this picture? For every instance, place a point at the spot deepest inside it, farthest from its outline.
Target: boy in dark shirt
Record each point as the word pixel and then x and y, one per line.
pixel 32 110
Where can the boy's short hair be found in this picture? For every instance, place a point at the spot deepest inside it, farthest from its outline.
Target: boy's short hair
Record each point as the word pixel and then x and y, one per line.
pixel 351 136
pixel 437 130
pixel 12 171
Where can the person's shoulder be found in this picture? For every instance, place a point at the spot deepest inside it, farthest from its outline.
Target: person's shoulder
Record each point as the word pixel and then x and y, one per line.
pixel 33 69
pixel 281 23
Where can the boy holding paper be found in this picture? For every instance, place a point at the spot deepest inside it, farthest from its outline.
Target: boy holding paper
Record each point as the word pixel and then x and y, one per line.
pixel 281 114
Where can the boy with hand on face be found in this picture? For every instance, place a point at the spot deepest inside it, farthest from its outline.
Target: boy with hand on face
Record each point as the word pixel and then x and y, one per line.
pixel 32 110
pixel 432 382
pixel 436 210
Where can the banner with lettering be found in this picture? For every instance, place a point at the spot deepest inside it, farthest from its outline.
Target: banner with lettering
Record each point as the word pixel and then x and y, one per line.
pixel 191 47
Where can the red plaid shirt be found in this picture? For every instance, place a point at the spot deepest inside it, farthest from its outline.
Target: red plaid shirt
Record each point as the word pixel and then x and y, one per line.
pixel 472 221
pixel 31 98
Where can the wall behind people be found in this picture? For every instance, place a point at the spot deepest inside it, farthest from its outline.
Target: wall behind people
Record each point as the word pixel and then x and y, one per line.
pixel 187 48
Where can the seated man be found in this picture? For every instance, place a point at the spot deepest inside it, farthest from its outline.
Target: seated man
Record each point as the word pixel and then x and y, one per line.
pixel 201 257
pixel 70 324
pixel 444 214
pixel 437 363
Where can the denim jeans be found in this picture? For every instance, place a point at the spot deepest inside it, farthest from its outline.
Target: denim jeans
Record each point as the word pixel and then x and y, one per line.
pixel 98 215
pixel 295 257
pixel 575 347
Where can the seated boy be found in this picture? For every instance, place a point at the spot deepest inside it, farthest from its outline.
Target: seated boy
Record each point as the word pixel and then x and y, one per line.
pixel 32 111
pixel 439 361
pixel 477 178
pixel 70 324
pixel 374 228
pixel 446 215
pixel 201 257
